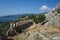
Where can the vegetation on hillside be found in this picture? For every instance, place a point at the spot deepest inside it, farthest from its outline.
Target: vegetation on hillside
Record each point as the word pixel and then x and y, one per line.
pixel 58 11
pixel 5 27
pixel 39 18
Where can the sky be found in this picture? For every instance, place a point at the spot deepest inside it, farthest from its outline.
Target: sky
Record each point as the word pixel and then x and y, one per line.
pixel 11 7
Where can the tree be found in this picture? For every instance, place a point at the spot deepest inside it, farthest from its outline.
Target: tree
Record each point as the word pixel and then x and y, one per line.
pixel 58 11
pixel 39 18
pixel 31 16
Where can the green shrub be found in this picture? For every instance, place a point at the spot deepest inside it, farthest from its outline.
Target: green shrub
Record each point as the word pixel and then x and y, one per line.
pixel 39 18
pixel 58 11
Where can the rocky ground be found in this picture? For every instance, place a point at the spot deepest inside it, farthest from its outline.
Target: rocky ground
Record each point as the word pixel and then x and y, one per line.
pixel 36 32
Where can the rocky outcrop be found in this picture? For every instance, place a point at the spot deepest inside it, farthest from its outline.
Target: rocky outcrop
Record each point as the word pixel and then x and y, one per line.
pixel 53 18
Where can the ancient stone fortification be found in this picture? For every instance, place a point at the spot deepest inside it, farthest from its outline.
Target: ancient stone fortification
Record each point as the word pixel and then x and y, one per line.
pixel 18 27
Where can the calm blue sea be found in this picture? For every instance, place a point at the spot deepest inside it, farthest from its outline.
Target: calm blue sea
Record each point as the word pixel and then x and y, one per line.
pixel 5 19
pixel 11 17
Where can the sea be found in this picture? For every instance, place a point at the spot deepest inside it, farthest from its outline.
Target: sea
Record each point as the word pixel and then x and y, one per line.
pixel 11 17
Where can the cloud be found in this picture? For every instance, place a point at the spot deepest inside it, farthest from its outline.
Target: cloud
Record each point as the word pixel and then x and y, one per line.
pixel 45 8
pixel 53 8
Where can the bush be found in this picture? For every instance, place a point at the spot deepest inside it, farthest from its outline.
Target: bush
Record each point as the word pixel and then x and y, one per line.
pixel 58 11
pixel 39 18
